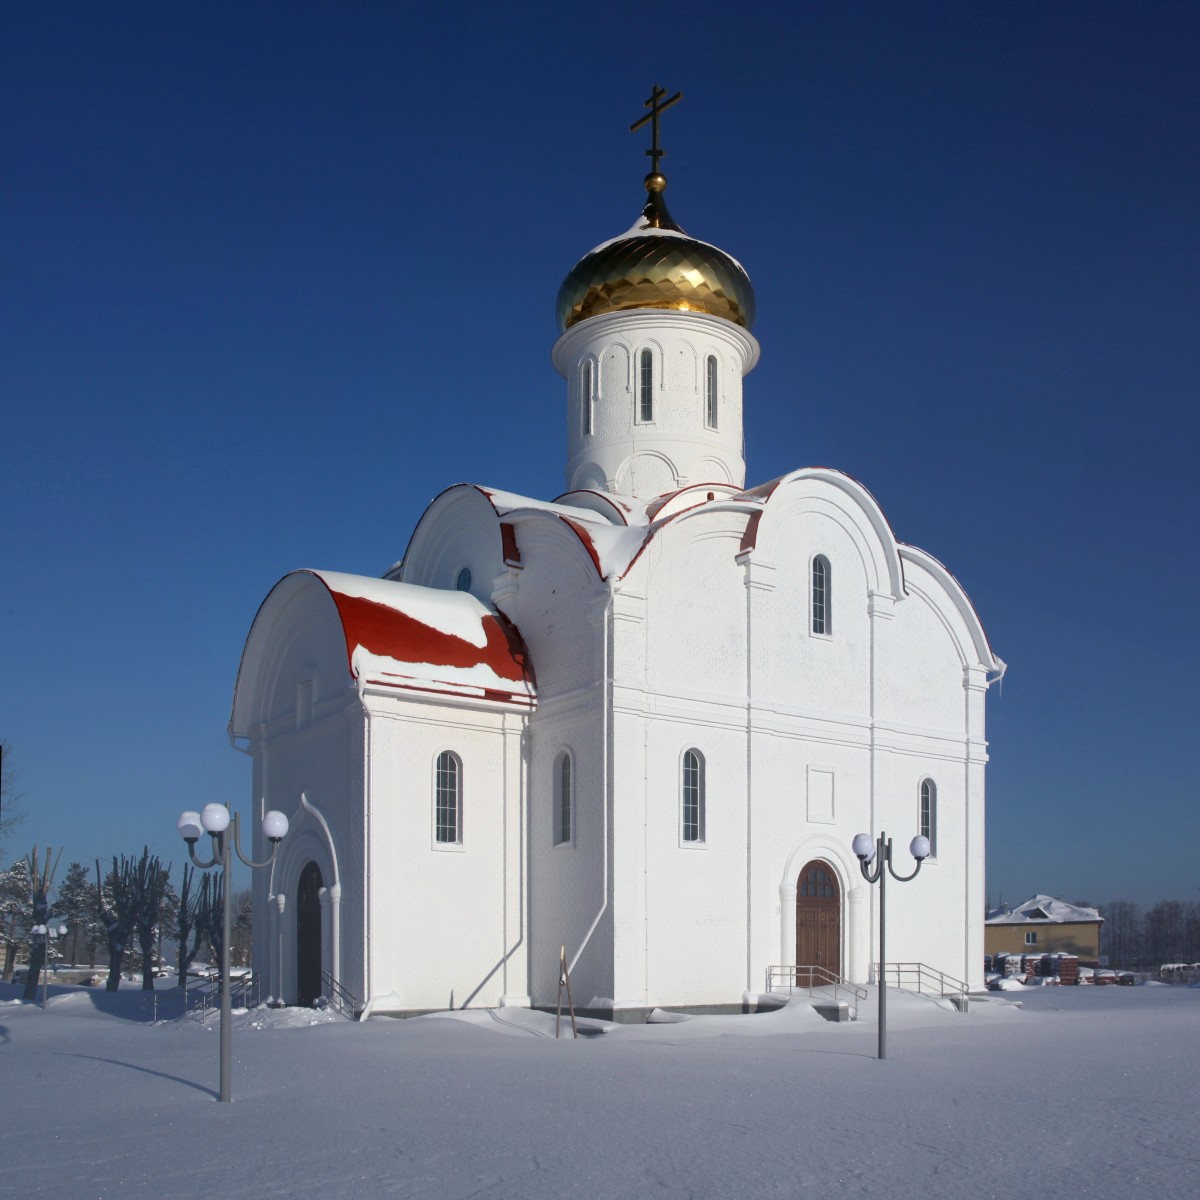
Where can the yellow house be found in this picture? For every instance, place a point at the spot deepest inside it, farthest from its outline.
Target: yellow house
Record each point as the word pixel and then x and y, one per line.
pixel 1044 925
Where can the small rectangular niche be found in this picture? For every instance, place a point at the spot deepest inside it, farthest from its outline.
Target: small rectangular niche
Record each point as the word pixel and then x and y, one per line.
pixel 304 703
pixel 820 795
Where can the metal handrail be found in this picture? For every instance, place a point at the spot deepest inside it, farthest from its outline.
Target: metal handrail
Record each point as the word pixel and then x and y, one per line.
pixel 817 978
pixel 160 997
pixel 341 998
pixel 244 992
pixel 921 977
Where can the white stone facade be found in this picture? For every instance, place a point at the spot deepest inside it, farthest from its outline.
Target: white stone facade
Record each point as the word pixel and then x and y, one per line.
pixel 692 431
pixel 728 722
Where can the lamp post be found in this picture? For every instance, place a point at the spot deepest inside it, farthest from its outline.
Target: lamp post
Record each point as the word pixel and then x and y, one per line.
pixel 879 852
pixel 222 826
pixel 46 933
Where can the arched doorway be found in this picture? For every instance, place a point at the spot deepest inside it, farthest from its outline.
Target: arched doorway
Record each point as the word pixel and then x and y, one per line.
pixel 818 923
pixel 308 935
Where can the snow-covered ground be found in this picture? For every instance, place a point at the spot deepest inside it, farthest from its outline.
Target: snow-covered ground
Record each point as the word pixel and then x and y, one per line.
pixel 1082 1091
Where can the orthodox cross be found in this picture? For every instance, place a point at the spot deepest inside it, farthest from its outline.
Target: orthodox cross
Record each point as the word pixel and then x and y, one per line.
pixel 656 105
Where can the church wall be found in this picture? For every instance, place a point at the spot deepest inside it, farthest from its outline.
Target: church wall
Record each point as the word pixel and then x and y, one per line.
pixel 614 396
pixel 926 917
pixel 569 881
pixel 323 762
pixel 695 638
pixel 870 792
pixel 556 601
pixel 677 445
pixel 680 904
pixel 695 893
pixel 559 605
pixel 930 719
pixel 301 716
pixel 974 900
pixel 811 794
pixel 921 681
pixel 822 769
pixel 825 673
pixel 445 920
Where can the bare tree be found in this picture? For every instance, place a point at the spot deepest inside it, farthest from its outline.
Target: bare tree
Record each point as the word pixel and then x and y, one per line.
pixel 211 914
pixel 1165 932
pixel 147 880
pixel 94 930
pixel 1191 934
pixel 167 915
pixel 115 905
pixel 1121 933
pixel 43 880
pixel 187 923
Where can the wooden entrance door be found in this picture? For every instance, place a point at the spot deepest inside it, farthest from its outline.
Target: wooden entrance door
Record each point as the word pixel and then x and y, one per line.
pixel 308 935
pixel 818 922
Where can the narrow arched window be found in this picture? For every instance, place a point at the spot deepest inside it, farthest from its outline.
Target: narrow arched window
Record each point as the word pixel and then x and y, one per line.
pixel 820 595
pixel 646 386
pixel 564 799
pixel 448 798
pixel 710 392
pixel 587 393
pixel 693 796
pixel 463 582
pixel 928 819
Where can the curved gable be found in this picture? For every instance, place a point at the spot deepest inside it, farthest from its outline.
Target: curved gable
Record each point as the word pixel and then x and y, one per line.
pixel 383 634
pixel 838 498
pixel 459 529
pixel 295 639
pixel 956 610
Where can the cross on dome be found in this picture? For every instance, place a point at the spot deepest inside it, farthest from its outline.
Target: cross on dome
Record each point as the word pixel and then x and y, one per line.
pixel 656 94
pixel 655 264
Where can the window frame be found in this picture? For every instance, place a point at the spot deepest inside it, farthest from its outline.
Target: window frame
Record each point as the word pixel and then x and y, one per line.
pixel 443 789
pixel 645 386
pixel 711 392
pixel 587 396
pixel 564 799
pixel 1031 937
pixel 927 791
pixel 820 606
pixel 697 787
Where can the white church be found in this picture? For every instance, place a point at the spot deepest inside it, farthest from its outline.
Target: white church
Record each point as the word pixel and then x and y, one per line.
pixel 642 721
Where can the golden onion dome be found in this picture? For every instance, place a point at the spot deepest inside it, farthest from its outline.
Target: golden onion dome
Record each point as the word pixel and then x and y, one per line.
pixel 656 265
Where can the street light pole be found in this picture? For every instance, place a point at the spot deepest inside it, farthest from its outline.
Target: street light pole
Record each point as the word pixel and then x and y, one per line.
pixel 222 826
pixel 46 932
pixel 880 852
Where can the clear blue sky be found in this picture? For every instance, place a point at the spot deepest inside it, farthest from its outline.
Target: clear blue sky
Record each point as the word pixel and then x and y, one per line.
pixel 273 275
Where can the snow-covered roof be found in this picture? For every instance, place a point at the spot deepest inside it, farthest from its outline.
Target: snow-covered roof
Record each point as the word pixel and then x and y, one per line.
pixel 1043 910
pixel 399 635
pixel 615 531
pixel 507 502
